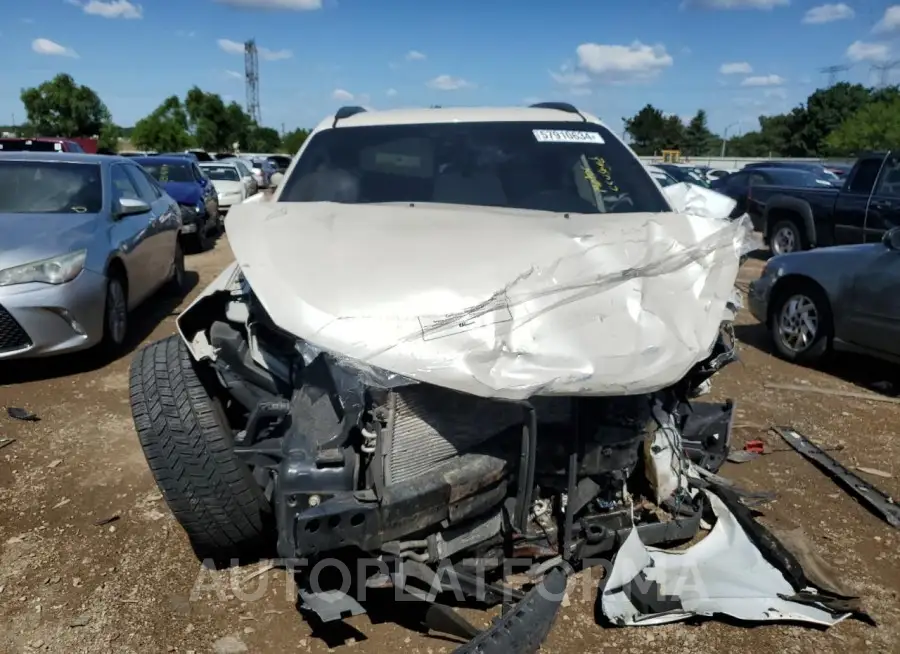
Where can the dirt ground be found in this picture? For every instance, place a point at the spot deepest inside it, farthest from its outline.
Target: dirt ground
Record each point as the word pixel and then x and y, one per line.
pixel 69 584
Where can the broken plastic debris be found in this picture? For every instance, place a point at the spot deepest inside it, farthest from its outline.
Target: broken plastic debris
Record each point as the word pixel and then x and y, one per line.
pixel 725 573
pixel 498 302
pixel 21 414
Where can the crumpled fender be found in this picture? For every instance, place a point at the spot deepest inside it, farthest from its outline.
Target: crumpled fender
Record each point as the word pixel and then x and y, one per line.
pixel 188 320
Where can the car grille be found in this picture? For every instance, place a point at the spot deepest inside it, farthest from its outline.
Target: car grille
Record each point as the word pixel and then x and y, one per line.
pixel 12 336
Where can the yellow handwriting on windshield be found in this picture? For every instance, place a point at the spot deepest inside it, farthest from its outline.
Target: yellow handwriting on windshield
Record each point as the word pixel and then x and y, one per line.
pixel 592 179
pixel 605 175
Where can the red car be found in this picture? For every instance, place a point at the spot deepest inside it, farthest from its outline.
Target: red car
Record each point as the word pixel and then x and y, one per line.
pixel 48 144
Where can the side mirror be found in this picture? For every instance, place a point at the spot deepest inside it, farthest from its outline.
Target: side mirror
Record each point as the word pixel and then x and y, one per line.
pixel 131 207
pixel 276 180
pixel 891 238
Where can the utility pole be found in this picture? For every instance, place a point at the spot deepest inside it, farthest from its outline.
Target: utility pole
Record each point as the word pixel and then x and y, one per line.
pixel 725 139
pixel 884 71
pixel 832 72
pixel 251 75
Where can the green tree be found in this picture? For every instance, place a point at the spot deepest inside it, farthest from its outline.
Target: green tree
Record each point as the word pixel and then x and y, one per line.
pixel 698 139
pixel 294 140
pixel 165 129
pixel 263 139
pixel 60 107
pixel 208 120
pixel 874 127
pixel 824 112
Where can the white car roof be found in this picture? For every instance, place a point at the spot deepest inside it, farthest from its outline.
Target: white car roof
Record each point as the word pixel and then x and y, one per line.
pixel 458 115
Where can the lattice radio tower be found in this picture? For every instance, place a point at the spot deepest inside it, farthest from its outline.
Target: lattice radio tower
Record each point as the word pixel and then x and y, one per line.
pixel 832 72
pixel 251 74
pixel 884 72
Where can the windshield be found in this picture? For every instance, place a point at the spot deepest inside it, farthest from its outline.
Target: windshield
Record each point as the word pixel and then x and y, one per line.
pixel 169 172
pixel 222 173
pixel 27 145
pixel 560 167
pixel 789 177
pixel 50 187
pixel 686 175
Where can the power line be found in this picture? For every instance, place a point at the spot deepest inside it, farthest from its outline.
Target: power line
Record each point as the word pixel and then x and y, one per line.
pixel 251 74
pixel 884 71
pixel 832 72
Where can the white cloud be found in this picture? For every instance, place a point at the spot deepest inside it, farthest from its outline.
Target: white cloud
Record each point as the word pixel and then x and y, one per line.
pixel 568 77
pixel 736 68
pixel 48 47
pixel 110 8
pixel 735 4
pixel 341 95
pixel 28 21
pixel 764 80
pixel 415 55
pixel 828 14
pixel 273 55
pixel 290 5
pixel 862 51
pixel 186 34
pixel 623 61
pixel 890 22
pixel 234 47
pixel 580 90
pixel 391 93
pixel 780 94
pixel 448 83
pixel 234 74
pixel 231 47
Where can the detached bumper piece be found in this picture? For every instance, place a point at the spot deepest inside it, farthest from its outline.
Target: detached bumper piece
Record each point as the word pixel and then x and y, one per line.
pixel 523 628
pixel 874 499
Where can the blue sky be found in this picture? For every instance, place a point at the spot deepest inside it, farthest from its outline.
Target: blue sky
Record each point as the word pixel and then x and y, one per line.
pixel 736 58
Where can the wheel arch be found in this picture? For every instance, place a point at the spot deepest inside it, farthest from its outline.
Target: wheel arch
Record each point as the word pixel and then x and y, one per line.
pixel 115 266
pixel 787 208
pixel 794 282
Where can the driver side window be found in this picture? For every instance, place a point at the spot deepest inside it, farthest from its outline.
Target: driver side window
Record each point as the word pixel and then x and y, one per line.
pixel 122 186
pixel 737 181
pixel 889 184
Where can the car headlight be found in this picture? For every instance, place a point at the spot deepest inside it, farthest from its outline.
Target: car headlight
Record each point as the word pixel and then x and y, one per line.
pixel 56 270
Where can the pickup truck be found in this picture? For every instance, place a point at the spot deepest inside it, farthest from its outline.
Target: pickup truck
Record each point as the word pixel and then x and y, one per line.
pixel 861 211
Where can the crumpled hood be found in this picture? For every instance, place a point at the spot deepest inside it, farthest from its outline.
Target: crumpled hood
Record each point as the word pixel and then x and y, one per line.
pixel 494 302
pixel 32 237
pixel 183 192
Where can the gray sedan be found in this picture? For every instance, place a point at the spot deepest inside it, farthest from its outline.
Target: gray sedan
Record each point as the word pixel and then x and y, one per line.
pixel 83 240
pixel 841 297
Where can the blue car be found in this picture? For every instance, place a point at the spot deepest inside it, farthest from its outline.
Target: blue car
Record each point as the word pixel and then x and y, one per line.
pixel 192 189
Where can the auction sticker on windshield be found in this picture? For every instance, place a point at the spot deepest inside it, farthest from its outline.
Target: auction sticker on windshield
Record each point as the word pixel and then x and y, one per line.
pixel 566 136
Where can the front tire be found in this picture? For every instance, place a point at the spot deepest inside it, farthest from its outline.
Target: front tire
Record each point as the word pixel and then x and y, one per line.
pixel 801 323
pixel 177 278
pixel 786 237
pixel 188 445
pixel 115 315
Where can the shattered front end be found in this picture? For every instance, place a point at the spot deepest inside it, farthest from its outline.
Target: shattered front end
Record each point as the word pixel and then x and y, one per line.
pixel 462 414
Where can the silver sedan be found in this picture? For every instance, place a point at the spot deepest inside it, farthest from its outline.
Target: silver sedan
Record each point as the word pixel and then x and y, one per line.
pixel 85 239
pixel 841 297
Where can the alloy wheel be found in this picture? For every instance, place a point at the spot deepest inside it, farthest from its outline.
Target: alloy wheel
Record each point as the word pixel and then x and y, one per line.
pixel 798 323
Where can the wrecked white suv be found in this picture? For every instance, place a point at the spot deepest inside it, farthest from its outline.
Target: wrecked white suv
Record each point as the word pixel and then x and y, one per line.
pixel 453 339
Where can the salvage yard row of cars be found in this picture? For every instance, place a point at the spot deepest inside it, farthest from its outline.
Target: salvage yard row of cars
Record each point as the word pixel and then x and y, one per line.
pixel 86 238
pixel 833 229
pixel 488 351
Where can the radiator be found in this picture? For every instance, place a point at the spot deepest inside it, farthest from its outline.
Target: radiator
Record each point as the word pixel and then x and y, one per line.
pixel 429 425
